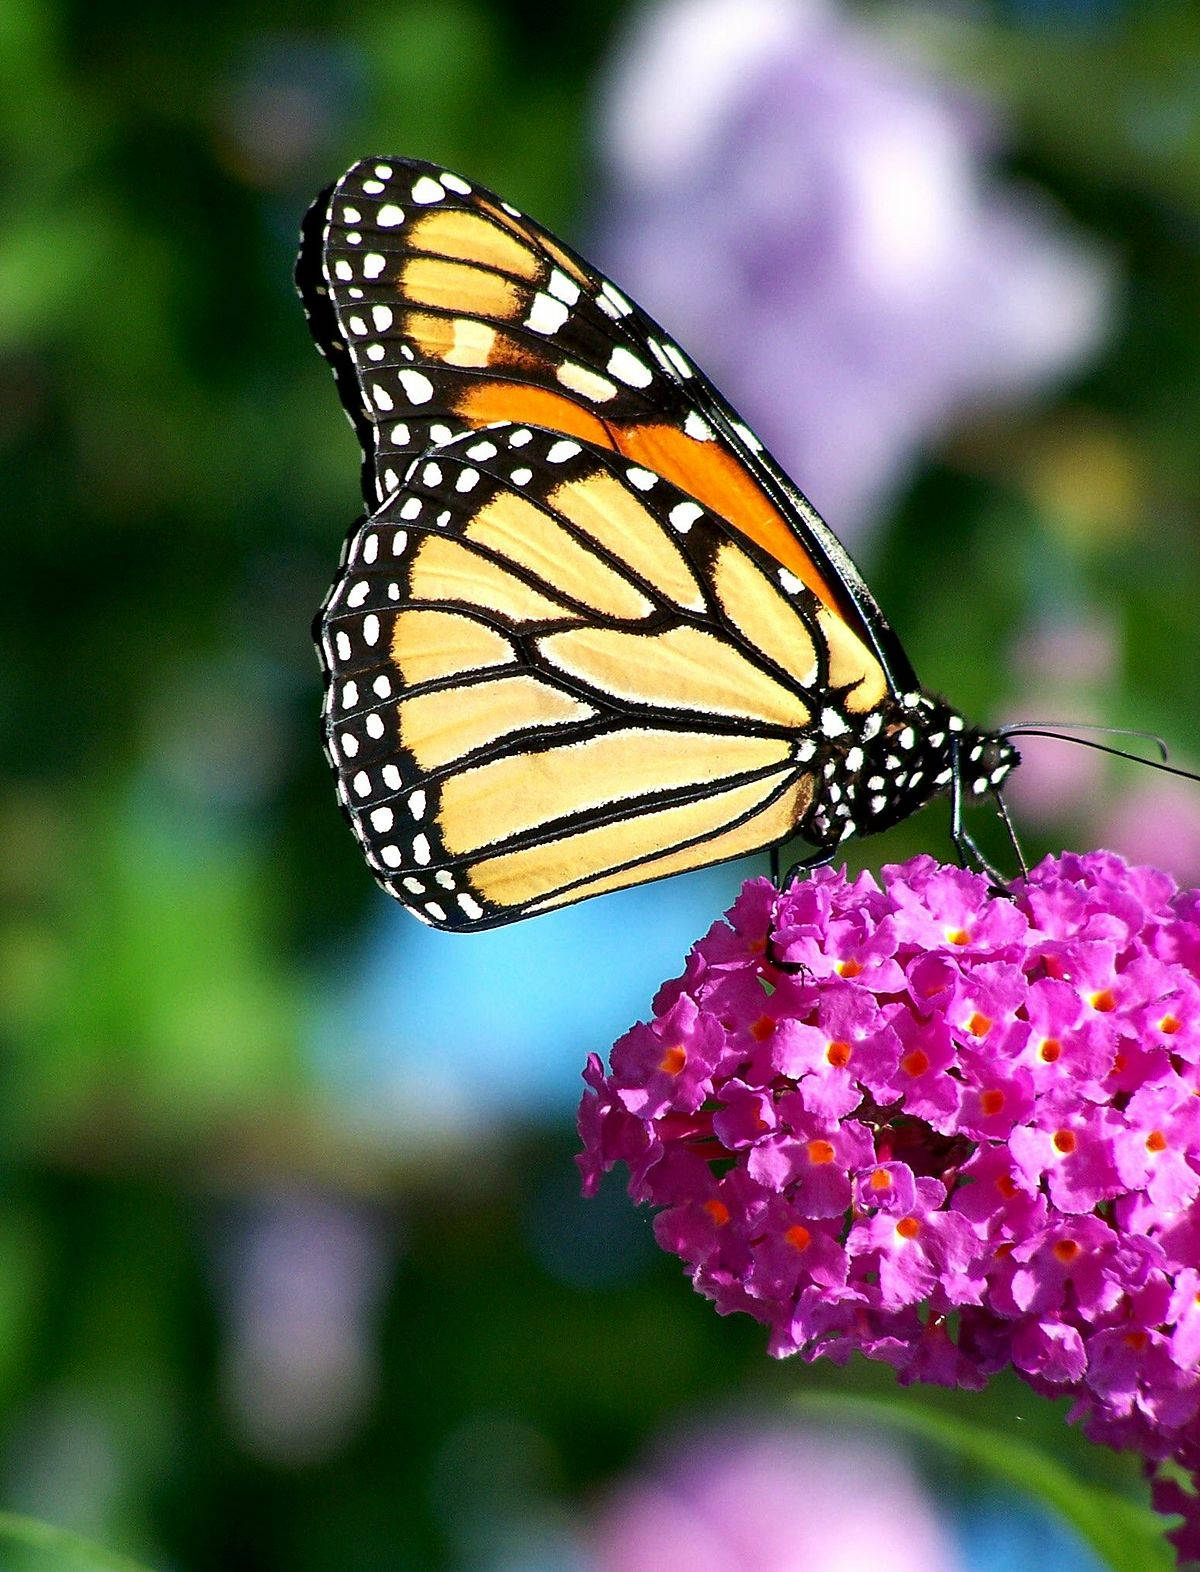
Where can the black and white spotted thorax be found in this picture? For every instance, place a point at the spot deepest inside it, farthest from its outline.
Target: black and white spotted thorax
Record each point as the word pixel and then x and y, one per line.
pixel 878 770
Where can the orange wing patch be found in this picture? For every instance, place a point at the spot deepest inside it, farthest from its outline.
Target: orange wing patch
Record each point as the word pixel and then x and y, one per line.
pixel 714 476
pixel 468 237
pixel 484 403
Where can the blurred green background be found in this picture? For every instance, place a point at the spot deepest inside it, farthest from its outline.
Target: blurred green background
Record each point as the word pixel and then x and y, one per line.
pixel 284 1281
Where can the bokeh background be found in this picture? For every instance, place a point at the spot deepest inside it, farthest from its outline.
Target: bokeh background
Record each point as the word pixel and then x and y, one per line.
pixel 293 1270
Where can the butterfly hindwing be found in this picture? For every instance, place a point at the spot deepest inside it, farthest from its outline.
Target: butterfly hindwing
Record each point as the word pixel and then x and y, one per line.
pixel 442 309
pixel 551 672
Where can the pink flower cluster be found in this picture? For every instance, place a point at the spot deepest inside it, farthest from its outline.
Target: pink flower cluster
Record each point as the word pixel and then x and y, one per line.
pixel 941 1127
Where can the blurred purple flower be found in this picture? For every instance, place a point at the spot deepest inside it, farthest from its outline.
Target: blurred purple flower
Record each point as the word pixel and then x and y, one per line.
pixel 815 220
pixel 1065 666
pixel 774 1500
pixel 303 1278
pixel 1156 820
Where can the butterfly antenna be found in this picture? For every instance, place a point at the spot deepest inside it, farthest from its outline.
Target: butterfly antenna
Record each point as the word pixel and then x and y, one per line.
pixel 1103 747
pixel 1056 728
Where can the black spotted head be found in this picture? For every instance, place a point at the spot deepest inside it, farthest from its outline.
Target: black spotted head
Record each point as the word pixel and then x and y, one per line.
pixel 904 754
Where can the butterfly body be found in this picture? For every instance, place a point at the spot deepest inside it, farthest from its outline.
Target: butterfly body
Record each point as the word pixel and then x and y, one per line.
pixel 589 633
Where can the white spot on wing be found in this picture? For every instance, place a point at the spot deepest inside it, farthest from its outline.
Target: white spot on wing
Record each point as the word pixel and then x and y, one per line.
pixel 684 514
pixel 426 191
pixel 627 368
pixel 389 215
pixel 546 315
pixel 417 386
pixel 677 360
pixel 562 287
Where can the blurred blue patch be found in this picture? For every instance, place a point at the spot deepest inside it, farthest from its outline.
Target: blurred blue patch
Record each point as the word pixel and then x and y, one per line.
pixel 1003 1532
pixel 438 1034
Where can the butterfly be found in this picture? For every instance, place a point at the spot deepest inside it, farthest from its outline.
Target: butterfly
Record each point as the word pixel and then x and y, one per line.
pixel 588 633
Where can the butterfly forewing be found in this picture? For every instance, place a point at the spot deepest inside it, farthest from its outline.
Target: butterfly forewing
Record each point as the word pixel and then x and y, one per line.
pixel 443 309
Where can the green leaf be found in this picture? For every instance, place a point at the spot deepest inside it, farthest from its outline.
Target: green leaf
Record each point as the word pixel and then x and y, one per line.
pixel 1121 1533
pixel 29 1546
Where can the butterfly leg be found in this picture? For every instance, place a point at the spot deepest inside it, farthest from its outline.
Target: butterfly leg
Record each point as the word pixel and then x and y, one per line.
pixel 969 853
pixel 819 859
pixel 1006 820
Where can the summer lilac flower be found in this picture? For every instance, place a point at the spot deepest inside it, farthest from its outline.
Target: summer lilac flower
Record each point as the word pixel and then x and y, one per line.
pixel 815 221
pixel 772 1499
pixel 941 1127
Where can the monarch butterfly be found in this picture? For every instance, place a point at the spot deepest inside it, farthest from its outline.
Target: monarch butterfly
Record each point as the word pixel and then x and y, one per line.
pixel 589 633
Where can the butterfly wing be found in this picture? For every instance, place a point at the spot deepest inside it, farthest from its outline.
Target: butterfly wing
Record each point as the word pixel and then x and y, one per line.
pixel 442 309
pixel 552 673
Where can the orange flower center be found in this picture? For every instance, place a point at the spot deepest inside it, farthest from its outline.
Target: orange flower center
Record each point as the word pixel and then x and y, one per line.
pixel 992 1102
pixel 880 1180
pixel 1156 1141
pixel 798 1237
pixel 762 1028
pixel 849 968
pixel 979 1025
pixel 718 1211
pixel 959 936
pixel 915 1063
pixel 908 1227
pixel 1051 1049
pixel 673 1060
pixel 1064 1141
pixel 1065 1250
pixel 820 1153
pixel 1170 1024
pixel 838 1053
pixel 1104 1001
